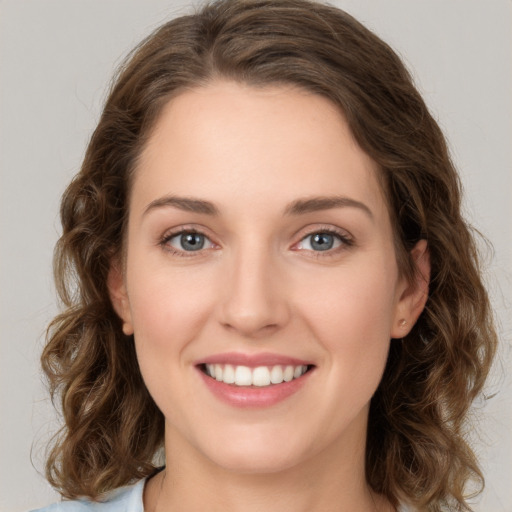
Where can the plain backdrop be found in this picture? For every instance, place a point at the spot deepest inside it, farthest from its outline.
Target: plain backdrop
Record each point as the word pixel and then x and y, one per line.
pixel 56 59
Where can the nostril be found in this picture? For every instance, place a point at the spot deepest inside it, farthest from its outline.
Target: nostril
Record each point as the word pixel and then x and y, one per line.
pixel 251 329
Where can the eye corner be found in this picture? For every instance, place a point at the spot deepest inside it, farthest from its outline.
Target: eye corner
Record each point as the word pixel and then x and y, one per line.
pixel 173 242
pixel 330 241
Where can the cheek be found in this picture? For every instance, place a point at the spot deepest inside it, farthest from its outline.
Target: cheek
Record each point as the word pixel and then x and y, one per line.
pixel 168 312
pixel 351 314
pixel 168 305
pixel 359 298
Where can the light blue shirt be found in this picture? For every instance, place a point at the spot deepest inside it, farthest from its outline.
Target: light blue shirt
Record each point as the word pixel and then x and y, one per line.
pixel 124 499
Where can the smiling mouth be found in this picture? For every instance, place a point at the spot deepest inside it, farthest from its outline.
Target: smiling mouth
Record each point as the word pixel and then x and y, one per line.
pixel 260 376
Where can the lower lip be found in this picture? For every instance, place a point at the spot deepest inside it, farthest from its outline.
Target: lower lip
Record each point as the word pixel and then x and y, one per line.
pixel 253 396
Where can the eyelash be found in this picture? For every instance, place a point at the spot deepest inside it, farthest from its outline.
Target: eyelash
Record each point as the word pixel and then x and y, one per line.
pixel 164 242
pixel 346 242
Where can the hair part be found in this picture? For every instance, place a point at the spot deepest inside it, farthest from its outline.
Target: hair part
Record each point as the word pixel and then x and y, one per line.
pixel 417 452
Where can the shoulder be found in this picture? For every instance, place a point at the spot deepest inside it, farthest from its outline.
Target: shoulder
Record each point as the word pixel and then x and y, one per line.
pixel 124 499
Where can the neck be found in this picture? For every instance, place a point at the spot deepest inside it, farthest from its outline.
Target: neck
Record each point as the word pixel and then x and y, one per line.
pixel 323 483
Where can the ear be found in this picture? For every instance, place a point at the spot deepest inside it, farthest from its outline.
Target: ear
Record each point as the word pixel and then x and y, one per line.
pixel 414 294
pixel 119 297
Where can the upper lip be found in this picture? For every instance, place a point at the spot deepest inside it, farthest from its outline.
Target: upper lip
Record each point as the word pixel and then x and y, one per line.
pixel 253 360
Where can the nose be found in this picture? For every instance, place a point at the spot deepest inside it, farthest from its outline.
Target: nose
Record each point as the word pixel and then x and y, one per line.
pixel 254 304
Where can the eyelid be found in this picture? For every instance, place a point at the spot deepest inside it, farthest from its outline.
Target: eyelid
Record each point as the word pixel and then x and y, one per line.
pixel 169 234
pixel 347 240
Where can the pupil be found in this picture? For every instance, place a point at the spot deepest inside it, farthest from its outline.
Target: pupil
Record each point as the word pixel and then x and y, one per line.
pixel 322 242
pixel 192 241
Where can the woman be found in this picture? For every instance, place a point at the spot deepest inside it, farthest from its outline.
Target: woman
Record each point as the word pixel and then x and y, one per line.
pixel 274 284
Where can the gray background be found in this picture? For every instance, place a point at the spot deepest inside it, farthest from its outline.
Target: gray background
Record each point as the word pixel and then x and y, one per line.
pixel 56 59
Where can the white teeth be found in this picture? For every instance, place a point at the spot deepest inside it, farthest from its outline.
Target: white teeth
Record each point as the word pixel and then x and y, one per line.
pixel 299 370
pixel 288 374
pixel 243 376
pixel 260 376
pixel 229 374
pixel 276 375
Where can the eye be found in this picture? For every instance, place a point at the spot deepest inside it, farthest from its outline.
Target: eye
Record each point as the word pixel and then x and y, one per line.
pixel 323 241
pixel 187 241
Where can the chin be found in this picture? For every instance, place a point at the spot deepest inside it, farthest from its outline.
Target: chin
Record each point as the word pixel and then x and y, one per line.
pixel 255 462
pixel 256 451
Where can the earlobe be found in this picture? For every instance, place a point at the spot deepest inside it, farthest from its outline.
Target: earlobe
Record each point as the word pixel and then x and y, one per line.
pixel 119 297
pixel 415 294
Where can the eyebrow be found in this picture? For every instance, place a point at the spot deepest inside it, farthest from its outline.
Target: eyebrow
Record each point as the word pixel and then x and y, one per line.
pixel 187 204
pixel 297 207
pixel 315 204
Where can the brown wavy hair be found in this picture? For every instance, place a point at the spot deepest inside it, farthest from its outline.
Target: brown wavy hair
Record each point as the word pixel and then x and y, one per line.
pixel 417 449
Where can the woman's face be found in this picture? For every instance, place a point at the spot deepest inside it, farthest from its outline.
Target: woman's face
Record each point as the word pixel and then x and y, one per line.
pixel 260 280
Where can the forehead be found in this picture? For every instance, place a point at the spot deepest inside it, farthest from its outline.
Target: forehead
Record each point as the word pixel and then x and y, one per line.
pixel 234 143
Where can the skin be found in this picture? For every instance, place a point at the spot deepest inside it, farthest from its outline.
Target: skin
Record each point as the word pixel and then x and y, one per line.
pixel 257 286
